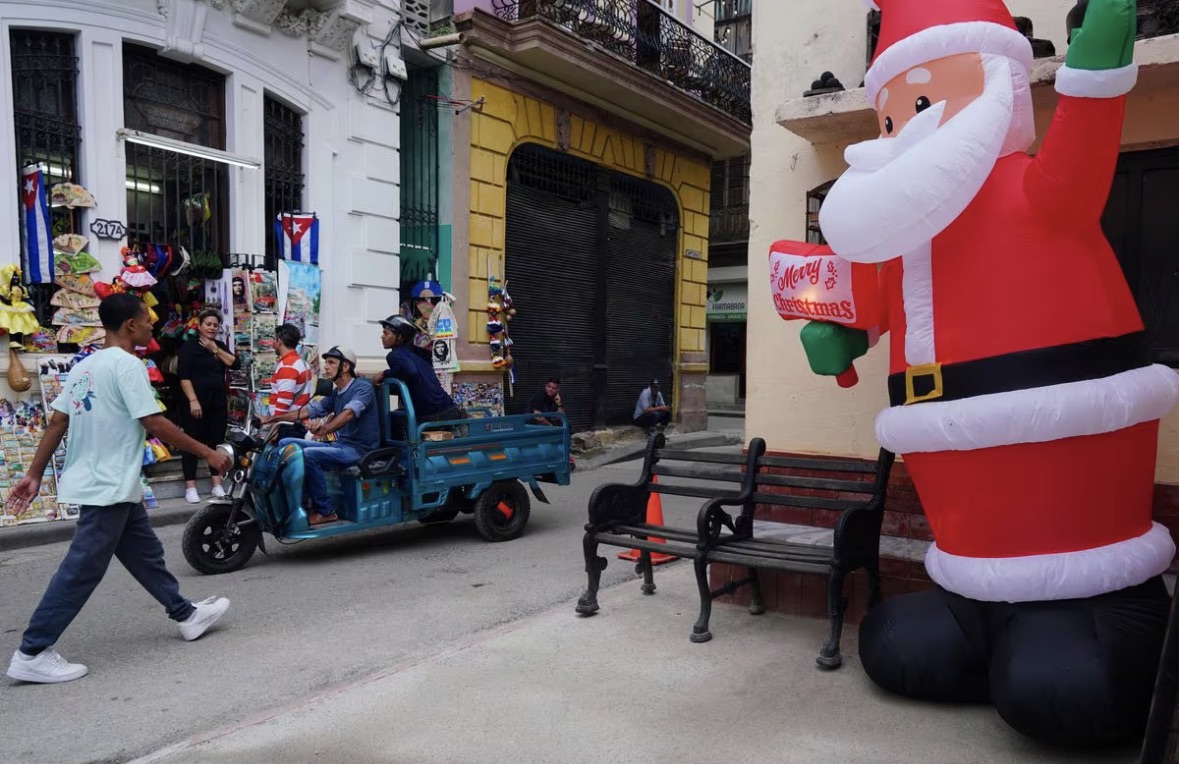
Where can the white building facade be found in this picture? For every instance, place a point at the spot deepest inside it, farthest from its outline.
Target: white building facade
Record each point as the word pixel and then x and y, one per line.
pixel 262 108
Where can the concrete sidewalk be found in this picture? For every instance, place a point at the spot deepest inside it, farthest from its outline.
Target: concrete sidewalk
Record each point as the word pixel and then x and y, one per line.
pixel 625 685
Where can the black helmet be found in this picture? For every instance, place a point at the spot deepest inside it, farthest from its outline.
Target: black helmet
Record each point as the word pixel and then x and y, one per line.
pixel 399 324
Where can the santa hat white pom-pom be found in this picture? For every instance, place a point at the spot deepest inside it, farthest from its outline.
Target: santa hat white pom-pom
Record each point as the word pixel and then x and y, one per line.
pixel 871 4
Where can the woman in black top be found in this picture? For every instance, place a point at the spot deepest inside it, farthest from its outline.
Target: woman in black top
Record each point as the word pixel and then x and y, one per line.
pixel 201 367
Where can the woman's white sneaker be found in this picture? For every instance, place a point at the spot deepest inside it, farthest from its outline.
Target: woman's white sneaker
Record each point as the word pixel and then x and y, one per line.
pixel 218 492
pixel 191 496
pixel 46 667
pixel 207 613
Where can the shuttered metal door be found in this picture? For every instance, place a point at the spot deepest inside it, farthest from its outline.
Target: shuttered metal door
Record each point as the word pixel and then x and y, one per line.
pixel 550 241
pixel 591 269
pixel 640 315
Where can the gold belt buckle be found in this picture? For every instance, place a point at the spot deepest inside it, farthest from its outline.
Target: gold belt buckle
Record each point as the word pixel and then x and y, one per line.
pixel 924 370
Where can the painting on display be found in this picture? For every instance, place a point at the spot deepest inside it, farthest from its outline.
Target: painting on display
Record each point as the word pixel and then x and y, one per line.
pixel 219 296
pixel 22 423
pixel 263 291
pixel 480 396
pixel 301 291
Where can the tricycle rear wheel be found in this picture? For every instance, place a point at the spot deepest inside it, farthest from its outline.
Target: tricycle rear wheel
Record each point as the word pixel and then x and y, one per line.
pixel 502 511
pixel 211 546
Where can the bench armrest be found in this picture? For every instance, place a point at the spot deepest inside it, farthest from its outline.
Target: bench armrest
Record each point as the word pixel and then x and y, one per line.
pixel 857 531
pixel 713 519
pixel 617 504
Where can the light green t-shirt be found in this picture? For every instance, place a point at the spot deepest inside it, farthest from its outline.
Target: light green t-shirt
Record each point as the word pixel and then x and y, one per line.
pixel 105 395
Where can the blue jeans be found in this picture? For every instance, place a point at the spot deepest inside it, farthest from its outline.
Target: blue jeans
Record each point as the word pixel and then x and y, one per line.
pixel 316 458
pixel 122 531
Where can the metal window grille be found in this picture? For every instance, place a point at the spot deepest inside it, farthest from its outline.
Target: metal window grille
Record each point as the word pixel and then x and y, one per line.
pixel 419 178
pixel 283 139
pixel 45 115
pixel 174 198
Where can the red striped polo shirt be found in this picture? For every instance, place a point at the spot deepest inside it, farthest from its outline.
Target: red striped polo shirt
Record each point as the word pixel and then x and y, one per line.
pixel 291 386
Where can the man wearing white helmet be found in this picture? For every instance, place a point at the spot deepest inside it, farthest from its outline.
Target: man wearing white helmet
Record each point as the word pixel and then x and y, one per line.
pixel 352 407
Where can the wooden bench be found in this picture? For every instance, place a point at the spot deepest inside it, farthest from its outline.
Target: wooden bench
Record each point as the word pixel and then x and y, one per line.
pixel 855 489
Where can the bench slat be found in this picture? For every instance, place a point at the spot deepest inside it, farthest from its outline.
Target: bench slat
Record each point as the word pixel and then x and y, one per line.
pixel 789 481
pixel 630 542
pixel 806 502
pixel 796 566
pixel 671 534
pixel 692 456
pixel 818 463
pixel 699 474
pixel 699 493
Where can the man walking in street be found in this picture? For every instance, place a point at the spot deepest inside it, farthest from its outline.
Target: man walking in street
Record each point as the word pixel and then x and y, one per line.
pixel 107 404
pixel 651 411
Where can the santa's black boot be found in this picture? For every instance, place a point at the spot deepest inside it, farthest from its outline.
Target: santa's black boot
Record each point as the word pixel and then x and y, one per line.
pixel 1080 673
pixel 930 646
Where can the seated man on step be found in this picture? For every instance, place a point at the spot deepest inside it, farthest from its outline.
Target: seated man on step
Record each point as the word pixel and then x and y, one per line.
pixel 355 418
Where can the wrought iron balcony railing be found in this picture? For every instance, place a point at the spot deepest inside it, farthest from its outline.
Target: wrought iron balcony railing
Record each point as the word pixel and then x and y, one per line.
pixel 727 225
pixel 652 39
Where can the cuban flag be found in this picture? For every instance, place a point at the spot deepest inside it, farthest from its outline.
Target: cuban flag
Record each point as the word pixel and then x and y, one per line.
pixel 36 232
pixel 298 237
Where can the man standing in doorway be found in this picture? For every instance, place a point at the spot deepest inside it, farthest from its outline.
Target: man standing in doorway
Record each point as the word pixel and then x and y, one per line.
pixel 651 412
pixel 107 404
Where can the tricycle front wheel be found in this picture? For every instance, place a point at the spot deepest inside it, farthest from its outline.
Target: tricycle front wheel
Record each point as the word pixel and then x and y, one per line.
pixel 212 546
pixel 501 512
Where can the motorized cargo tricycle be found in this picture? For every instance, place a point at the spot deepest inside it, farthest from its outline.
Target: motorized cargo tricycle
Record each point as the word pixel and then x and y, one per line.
pixel 423 472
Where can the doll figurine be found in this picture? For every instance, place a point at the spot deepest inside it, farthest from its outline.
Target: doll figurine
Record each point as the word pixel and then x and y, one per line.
pixel 17 318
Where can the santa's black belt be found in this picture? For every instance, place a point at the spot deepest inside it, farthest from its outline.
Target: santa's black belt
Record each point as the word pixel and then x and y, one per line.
pixel 1076 362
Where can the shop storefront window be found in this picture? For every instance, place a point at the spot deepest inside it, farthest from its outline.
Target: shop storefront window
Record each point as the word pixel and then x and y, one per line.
pixel 45 116
pixel 283 140
pixel 172 197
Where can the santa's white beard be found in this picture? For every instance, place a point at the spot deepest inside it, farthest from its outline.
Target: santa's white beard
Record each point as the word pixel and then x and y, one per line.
pixel 901 192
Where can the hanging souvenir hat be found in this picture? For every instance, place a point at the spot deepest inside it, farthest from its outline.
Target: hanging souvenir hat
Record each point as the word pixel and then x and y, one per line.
pixel 65 298
pixel 76 317
pixel 494 327
pixel 70 243
pixel 81 284
pixel 161 260
pixel 70 195
pixel 80 335
pixel 426 289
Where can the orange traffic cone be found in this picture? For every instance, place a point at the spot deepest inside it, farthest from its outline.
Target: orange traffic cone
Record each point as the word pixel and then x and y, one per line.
pixel 654 517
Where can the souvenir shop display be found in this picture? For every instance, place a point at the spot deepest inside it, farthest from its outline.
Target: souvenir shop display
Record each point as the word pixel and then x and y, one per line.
pixel 299 297
pixel 22 423
pixel 499 313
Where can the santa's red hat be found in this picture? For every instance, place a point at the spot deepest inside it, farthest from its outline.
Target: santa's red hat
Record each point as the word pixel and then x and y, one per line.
pixel 915 32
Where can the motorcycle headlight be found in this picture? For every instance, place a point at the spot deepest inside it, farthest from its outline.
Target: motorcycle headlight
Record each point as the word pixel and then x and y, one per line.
pixel 227 449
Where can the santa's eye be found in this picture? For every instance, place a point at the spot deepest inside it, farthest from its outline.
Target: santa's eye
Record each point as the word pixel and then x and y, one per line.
pixel 923 104
pixel 888 125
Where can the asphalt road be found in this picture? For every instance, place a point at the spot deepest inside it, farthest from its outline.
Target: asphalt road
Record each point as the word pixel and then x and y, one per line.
pixel 307 617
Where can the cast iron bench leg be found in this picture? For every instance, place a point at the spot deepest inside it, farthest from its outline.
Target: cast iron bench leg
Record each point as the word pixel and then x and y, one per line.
pixel 648 570
pixel 829 656
pixel 874 583
pixel 700 632
pixel 755 604
pixel 587 604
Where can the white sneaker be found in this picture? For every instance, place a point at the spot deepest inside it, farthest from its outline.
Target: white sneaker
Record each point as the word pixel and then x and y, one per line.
pixel 191 496
pixel 47 667
pixel 218 492
pixel 207 613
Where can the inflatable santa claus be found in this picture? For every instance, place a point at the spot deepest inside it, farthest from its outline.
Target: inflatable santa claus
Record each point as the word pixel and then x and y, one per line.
pixel 1022 396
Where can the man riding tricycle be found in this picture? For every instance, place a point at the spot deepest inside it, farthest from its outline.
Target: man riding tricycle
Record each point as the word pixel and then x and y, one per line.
pixel 296 489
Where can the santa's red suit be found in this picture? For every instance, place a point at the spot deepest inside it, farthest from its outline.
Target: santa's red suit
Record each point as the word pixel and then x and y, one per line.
pixel 1026 409
pixel 1035 464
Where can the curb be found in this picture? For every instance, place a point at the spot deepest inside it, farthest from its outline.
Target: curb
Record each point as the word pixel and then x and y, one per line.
pixel 39 534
